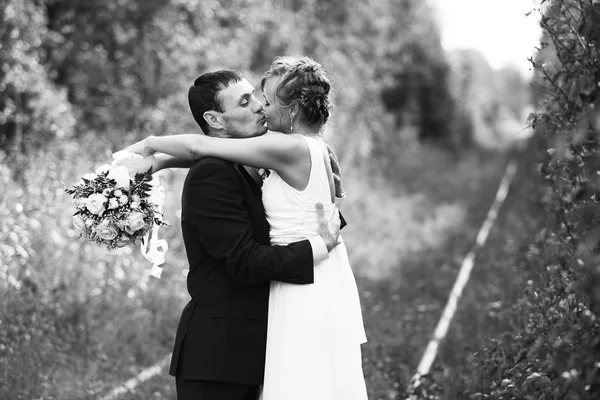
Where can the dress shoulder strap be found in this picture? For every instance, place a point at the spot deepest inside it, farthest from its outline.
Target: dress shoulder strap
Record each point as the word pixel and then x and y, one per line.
pixel 321 179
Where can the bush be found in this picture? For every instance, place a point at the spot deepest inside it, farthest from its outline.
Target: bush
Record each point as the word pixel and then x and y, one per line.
pixel 553 350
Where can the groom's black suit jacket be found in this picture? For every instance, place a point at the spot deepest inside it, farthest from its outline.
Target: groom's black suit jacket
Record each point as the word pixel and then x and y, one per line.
pixel 223 329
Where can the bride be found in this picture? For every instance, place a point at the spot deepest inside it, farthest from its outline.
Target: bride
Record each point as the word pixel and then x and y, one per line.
pixel 314 331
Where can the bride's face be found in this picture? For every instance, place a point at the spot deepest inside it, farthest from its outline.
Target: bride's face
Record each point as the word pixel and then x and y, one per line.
pixel 278 118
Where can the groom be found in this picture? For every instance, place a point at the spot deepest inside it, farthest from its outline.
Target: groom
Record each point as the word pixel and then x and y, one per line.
pixel 219 351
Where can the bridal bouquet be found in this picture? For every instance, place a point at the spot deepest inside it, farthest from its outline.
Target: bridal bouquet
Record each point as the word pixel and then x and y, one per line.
pixel 112 209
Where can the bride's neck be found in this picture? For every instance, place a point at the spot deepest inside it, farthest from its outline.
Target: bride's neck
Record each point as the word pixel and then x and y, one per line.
pixel 306 130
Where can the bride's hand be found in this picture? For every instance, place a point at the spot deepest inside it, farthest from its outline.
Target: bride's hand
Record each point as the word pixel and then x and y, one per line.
pixel 337 173
pixel 140 148
pixel 136 165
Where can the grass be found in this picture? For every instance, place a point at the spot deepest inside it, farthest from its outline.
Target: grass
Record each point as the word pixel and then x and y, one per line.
pixel 96 319
pixel 488 313
pixel 402 307
pixel 74 318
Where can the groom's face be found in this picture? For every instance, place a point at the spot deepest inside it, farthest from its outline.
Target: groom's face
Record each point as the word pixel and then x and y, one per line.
pixel 243 114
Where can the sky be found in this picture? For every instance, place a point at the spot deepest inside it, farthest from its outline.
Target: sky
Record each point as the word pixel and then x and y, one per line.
pixel 499 29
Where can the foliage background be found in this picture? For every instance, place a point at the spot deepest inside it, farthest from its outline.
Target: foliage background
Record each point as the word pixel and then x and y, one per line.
pixel 423 137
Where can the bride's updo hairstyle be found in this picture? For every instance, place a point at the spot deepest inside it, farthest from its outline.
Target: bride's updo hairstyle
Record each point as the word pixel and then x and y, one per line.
pixel 304 82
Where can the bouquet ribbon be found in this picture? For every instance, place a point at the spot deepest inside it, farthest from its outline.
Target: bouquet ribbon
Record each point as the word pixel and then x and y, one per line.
pixel 152 248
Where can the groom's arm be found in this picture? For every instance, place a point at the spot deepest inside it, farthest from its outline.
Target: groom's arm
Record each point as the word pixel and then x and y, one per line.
pixel 218 213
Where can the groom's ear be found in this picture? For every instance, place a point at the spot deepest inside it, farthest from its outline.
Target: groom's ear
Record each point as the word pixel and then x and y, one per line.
pixel 213 119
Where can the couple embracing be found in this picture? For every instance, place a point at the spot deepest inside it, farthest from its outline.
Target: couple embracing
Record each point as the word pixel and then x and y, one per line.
pixel 274 311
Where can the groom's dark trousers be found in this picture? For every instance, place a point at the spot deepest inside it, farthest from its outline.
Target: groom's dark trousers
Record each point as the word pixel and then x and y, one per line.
pixel 199 390
pixel 219 351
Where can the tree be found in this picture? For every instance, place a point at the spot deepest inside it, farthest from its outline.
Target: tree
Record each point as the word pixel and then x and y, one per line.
pixel 419 94
pixel 32 109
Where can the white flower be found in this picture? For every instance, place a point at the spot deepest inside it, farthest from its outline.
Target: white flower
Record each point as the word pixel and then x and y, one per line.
pixel 103 168
pixel 135 198
pixel 118 193
pixel 120 175
pixel 123 199
pixel 89 222
pixel 95 203
pixel 113 203
pixel 79 203
pixel 106 231
pixel 134 204
pixel 79 223
pixel 106 192
pixel 134 222
pixel 90 177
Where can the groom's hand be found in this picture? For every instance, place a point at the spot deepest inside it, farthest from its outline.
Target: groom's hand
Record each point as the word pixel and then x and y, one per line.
pixel 329 231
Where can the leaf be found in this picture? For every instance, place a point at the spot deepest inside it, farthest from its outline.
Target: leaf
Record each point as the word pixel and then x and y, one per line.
pixel 144 176
pixel 139 177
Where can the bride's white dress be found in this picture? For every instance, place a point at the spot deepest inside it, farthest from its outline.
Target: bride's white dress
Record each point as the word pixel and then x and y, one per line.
pixel 314 331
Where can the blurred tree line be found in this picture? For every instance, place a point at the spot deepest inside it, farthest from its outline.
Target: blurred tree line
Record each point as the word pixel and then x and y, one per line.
pixel 116 70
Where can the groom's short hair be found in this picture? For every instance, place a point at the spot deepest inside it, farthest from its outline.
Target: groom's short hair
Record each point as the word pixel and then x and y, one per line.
pixel 203 94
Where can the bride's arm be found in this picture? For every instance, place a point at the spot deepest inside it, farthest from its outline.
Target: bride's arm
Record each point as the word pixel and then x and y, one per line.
pixel 156 161
pixel 165 161
pixel 274 151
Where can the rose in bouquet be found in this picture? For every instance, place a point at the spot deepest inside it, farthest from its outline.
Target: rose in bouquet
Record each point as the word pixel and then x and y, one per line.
pixel 113 209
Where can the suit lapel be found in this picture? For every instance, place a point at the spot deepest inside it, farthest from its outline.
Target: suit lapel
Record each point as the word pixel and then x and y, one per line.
pixel 249 179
